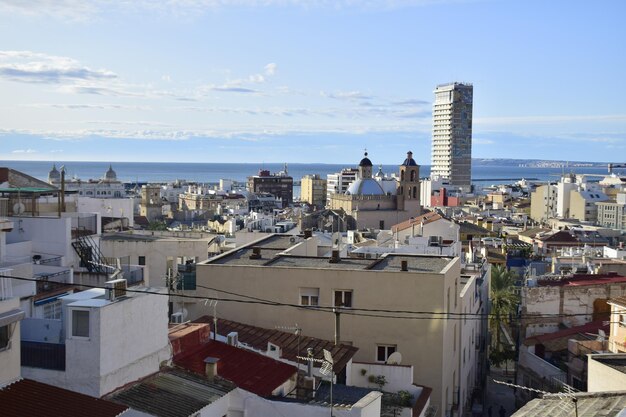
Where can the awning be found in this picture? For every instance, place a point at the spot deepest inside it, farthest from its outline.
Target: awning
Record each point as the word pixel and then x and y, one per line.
pixel 11 316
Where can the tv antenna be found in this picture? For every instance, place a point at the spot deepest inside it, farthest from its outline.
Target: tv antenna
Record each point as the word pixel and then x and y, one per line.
pixel 326 369
pixel 297 330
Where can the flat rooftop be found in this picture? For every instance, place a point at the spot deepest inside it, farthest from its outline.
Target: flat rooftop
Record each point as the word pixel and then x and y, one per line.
pixel 135 237
pixel 617 362
pixel 269 252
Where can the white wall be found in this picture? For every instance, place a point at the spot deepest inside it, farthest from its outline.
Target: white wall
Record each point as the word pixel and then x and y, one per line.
pixel 127 341
pixel 601 377
pixel 49 235
pixel 108 207
pixel 398 377
pixel 10 358
pixel 254 406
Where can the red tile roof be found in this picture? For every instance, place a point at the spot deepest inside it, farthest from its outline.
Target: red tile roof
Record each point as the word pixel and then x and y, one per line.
pixel 30 398
pixel 591 328
pixel 258 337
pixel 251 371
pixel 425 218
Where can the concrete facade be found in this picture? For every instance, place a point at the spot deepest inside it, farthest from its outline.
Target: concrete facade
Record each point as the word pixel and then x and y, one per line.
pixel 159 252
pixel 452 133
pixel 606 372
pixel 313 190
pixel 125 340
pixel 9 339
pixel 431 346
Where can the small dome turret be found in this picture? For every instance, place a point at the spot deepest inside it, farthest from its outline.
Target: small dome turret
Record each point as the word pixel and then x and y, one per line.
pixel 409 161
pixel 110 174
pixel 54 175
pixel 365 162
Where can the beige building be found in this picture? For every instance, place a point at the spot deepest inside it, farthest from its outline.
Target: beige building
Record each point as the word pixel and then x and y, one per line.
pixel 617 339
pixel 289 269
pixel 543 202
pixel 160 253
pixel 379 203
pixel 613 214
pixel 582 205
pixel 313 190
pixel 151 203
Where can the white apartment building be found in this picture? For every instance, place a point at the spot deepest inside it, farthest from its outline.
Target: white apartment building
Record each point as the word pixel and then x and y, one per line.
pixel 452 133
pixel 100 342
pixel 339 182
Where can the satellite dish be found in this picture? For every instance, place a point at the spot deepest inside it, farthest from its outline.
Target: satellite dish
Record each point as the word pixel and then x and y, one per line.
pixel 18 208
pixel 394 359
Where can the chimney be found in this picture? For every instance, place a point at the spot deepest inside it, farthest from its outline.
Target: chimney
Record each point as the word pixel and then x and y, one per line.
pixel 334 258
pixel 404 265
pixel 210 367
pixel 233 338
pixel 308 233
pixel 256 253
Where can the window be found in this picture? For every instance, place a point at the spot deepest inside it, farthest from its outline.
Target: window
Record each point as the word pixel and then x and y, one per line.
pixel 142 260
pixel 4 337
pixel 384 351
pixel 309 296
pixel 52 310
pixel 343 298
pixel 80 323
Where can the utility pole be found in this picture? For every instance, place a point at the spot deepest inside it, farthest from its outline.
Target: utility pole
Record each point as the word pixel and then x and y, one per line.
pixel 337 312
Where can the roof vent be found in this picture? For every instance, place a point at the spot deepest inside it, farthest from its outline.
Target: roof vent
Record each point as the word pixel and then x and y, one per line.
pixel 210 367
pixel 256 253
pixel 334 257
pixel 232 338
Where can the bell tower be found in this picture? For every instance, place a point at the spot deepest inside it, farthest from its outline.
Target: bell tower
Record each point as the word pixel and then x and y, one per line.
pixel 409 190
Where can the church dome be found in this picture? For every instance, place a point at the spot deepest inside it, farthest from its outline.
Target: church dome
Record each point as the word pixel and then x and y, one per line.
pixel 409 161
pixel 110 174
pixel 54 175
pixel 365 186
pixel 365 162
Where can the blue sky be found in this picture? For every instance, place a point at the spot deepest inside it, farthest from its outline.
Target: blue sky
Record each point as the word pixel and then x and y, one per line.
pixel 307 81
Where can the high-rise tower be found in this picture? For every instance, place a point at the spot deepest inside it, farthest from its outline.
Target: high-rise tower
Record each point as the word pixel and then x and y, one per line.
pixel 452 133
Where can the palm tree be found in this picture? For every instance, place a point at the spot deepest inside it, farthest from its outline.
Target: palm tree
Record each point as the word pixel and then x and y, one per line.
pixel 504 302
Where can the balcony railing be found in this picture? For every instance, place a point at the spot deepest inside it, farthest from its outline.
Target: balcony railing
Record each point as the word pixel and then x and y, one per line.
pixel 43 355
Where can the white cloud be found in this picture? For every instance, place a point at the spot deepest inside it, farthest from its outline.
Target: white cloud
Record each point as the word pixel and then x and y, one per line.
pixel 33 67
pixel 270 69
pixel 86 9
pixel 347 95
pixel 24 151
pixel 509 120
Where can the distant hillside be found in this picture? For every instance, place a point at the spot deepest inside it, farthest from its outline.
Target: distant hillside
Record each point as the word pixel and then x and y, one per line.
pixel 534 163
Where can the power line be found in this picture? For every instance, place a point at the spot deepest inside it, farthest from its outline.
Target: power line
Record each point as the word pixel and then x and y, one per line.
pixel 353 311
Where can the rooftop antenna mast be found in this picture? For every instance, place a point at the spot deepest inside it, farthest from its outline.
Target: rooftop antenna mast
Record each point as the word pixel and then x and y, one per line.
pixel 297 330
pixel 326 369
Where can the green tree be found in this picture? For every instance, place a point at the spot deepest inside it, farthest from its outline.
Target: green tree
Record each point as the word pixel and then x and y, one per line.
pixel 504 304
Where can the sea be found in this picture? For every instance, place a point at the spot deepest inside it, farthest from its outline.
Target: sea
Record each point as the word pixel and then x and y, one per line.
pixel 162 172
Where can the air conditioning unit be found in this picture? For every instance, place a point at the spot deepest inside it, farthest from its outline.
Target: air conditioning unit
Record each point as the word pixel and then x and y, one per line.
pixel 115 289
pixel 176 318
pixel 232 338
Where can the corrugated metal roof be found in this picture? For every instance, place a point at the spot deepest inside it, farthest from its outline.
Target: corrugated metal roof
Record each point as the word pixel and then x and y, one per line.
pixel 258 337
pixel 30 398
pixel 596 404
pixel 248 370
pixel 172 393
